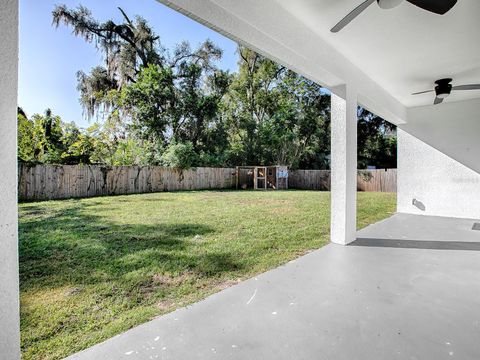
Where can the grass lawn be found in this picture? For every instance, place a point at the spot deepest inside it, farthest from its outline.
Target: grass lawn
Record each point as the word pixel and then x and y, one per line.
pixel 92 268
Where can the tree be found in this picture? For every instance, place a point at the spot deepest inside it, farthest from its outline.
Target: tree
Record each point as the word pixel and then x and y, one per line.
pixel 305 110
pixel 151 102
pixel 160 96
pixel 53 146
pixel 26 143
pixel 181 155
pixel 72 136
pixel 198 118
pixel 47 139
pixel 161 106
pixel 126 47
pixel 248 102
pixel 376 141
pixel 40 138
pixel 80 150
pixel 275 115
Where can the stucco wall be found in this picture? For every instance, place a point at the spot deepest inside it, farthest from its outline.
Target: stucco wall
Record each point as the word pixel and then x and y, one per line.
pixel 451 127
pixel 441 185
pixel 9 305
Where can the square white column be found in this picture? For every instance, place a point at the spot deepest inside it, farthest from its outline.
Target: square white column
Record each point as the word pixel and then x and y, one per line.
pixel 343 165
pixel 9 290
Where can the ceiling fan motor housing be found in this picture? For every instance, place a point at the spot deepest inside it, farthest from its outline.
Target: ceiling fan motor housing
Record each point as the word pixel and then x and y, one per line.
pixel 389 4
pixel 443 88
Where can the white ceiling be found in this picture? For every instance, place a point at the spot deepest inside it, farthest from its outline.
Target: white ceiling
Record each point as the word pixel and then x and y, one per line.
pixel 385 55
pixel 404 49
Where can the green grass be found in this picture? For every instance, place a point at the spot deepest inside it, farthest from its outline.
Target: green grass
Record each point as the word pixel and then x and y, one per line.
pixel 92 268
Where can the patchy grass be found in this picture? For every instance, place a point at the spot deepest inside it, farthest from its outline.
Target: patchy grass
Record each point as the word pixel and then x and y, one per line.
pixel 95 267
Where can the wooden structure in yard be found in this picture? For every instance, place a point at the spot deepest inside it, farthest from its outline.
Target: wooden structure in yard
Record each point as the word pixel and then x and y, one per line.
pixel 262 177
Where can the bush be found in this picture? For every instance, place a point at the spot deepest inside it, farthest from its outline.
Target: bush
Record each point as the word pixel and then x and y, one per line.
pixel 179 155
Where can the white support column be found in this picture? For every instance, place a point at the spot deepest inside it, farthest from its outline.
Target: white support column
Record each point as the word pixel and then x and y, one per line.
pixel 343 166
pixel 9 291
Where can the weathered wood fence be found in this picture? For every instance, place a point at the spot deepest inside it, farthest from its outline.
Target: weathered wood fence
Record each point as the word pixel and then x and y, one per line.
pixel 384 180
pixel 48 182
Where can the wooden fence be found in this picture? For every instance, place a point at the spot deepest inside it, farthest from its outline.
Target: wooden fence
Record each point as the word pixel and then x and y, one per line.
pixel 48 182
pixel 367 180
pixel 384 180
pixel 309 179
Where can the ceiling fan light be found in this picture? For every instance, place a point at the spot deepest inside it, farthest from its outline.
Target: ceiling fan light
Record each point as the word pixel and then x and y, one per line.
pixel 442 95
pixel 389 4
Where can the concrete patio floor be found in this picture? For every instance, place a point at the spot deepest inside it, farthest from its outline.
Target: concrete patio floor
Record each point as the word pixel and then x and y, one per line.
pixel 409 288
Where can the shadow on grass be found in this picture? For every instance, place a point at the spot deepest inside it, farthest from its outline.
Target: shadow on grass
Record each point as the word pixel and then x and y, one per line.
pixel 73 246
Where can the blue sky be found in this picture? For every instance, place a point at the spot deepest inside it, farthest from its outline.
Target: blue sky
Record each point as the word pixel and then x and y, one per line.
pixel 50 58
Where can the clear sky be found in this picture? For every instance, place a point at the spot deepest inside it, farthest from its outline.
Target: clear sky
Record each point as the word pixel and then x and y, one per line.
pixel 50 57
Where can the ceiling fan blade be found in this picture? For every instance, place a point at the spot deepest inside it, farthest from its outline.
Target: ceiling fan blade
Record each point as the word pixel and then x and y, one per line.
pixel 352 15
pixel 422 92
pixel 467 87
pixel 436 6
pixel 437 101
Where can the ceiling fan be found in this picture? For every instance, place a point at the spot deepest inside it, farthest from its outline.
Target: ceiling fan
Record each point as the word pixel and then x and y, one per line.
pixel 436 6
pixel 443 88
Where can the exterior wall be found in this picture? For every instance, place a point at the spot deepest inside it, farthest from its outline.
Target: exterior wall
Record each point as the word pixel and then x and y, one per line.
pixel 9 303
pixel 441 185
pixel 451 127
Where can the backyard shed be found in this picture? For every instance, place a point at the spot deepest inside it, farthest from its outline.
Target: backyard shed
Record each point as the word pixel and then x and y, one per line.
pixel 262 177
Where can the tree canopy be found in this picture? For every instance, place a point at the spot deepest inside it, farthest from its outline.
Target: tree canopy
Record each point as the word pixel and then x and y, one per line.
pixel 176 107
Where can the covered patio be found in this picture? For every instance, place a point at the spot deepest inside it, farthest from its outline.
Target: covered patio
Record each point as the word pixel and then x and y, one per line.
pixel 398 292
pixel 404 288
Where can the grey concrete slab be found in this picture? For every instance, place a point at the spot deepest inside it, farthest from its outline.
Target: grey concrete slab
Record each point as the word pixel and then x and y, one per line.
pixel 424 232
pixel 344 303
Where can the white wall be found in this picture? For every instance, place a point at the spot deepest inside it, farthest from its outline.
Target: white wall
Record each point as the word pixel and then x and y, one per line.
pixel 439 160
pixel 9 304
pixel 442 185
pixel 451 127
